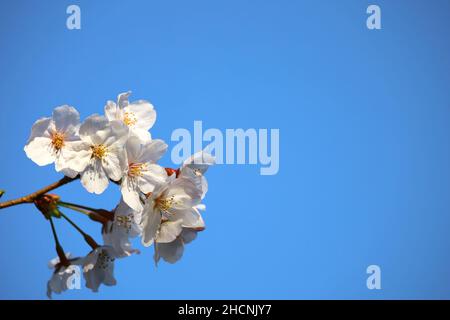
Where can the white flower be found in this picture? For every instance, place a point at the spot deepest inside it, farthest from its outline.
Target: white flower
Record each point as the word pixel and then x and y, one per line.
pixel 171 238
pixel 142 174
pixel 52 139
pixel 117 233
pixel 100 155
pixel 194 169
pixel 173 200
pixel 138 116
pixel 62 277
pixel 98 268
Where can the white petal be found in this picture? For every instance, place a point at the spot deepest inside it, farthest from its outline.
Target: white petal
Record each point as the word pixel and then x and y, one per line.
pixel 130 193
pixel 170 252
pixel 94 178
pixel 109 279
pixel 190 217
pixel 169 231
pixel 66 118
pixel 144 112
pixel 93 280
pixel 153 175
pixel 200 207
pixel 91 259
pixel 123 209
pixel 134 149
pixel 77 155
pixel 185 194
pixel 41 128
pixel 95 129
pixel 112 112
pixel 59 280
pixel 113 164
pixel 153 150
pixel 122 99
pixel 119 133
pixel 69 172
pixel 188 235
pixel 151 220
pixel 200 225
pixel 196 178
pixel 117 237
pixel 200 161
pixel 143 135
pixel 62 166
pixel 40 150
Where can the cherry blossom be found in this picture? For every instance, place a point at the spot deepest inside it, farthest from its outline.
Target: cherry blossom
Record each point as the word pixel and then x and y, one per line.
pixel 117 233
pixel 138 116
pixel 100 155
pixel 142 173
pixel 62 275
pixel 52 139
pixel 159 205
pixel 98 268
pixel 172 238
pixel 174 200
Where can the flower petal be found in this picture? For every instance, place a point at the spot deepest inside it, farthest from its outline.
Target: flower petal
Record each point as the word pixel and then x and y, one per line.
pixel 112 111
pixel 95 129
pixel 77 155
pixel 134 149
pixel 153 175
pixel 94 178
pixel 153 150
pixel 188 235
pixel 61 166
pixel 170 252
pixel 151 221
pixel 122 99
pixel 66 119
pixel 185 193
pixel 114 164
pixel 143 135
pixel 169 231
pixel 130 193
pixel 200 161
pixel 190 217
pixel 40 150
pixel 144 112
pixel 42 128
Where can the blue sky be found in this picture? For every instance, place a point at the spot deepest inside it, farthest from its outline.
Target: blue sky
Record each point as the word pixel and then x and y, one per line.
pixel 364 141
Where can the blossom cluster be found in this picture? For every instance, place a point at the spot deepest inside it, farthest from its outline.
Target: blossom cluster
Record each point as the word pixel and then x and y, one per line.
pixel 160 205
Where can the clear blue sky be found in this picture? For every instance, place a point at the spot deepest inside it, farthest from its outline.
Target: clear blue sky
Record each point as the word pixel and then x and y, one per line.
pixel 364 119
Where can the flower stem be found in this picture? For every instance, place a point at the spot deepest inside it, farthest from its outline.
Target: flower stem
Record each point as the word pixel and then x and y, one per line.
pixel 75 207
pixel 98 215
pixel 89 240
pixel 59 249
pixel 32 196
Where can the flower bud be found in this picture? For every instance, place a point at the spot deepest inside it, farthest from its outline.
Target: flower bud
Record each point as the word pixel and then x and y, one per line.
pixel 48 205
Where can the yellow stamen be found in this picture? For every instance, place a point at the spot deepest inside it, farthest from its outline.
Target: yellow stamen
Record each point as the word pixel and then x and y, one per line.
pixel 57 140
pixel 129 118
pixel 99 151
pixel 136 169
pixel 104 260
pixel 125 221
pixel 165 204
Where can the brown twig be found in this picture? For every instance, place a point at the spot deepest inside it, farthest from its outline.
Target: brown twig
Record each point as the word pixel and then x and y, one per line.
pixel 32 196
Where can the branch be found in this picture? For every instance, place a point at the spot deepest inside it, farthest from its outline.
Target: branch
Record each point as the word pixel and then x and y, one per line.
pixel 32 196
